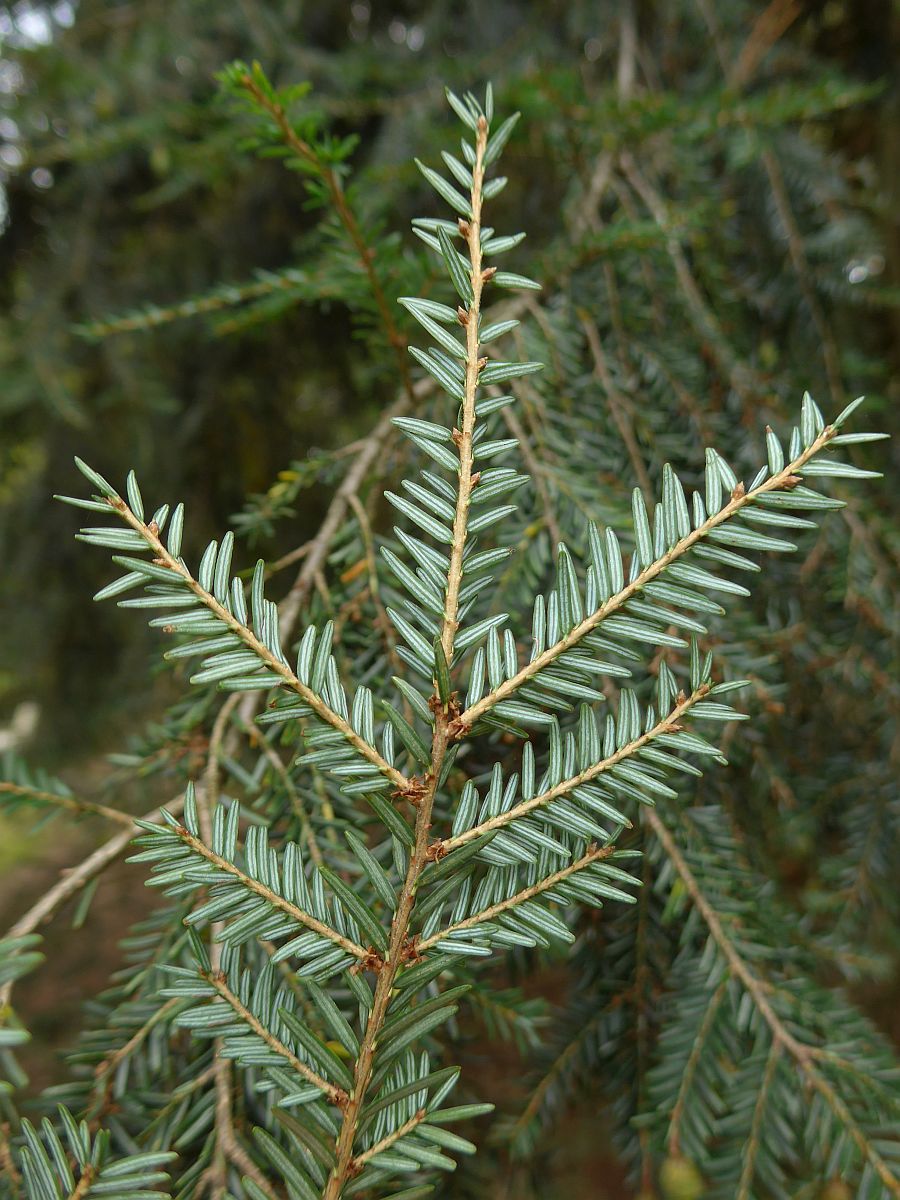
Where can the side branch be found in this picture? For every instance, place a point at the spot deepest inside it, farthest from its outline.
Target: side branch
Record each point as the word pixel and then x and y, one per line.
pixel 392 1138
pixel 740 499
pixel 806 1056
pixel 272 898
pixel 263 653
pixel 594 854
pixel 334 1094
pixel 667 724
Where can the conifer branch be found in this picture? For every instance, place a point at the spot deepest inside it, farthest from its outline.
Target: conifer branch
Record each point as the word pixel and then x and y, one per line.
pixel 754 1141
pixel 806 1056
pixel 666 724
pixel 785 478
pixel 441 737
pixel 272 898
pixel 345 214
pixel 335 1094
pixel 592 855
pixel 386 1142
pixel 271 661
pixel 690 1068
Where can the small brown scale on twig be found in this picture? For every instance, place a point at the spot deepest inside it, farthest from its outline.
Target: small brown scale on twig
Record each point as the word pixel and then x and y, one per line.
pixel 372 962
pixel 415 791
pixel 436 851
pixel 451 709
pixel 457 729
pixel 410 950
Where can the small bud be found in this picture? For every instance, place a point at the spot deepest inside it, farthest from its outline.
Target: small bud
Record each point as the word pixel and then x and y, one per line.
pixel 488 274
pixel 835 1189
pixel 680 1180
pixel 464 227
pixel 462 316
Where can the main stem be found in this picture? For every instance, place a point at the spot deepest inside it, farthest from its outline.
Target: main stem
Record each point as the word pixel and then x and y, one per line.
pixel 345 1165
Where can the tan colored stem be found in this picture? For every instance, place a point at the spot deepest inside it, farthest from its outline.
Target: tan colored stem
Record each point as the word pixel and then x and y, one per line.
pixel 398 941
pixel 335 1094
pixel 72 803
pixel 450 623
pixel 386 1142
pixel 263 653
pixel 488 914
pixel 739 500
pixel 271 898
pixel 664 725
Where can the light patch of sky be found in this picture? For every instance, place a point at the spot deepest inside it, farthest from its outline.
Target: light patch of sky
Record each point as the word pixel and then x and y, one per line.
pixel 26 26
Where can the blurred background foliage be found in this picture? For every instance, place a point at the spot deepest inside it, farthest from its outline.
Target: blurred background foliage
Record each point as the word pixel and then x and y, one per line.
pixel 174 302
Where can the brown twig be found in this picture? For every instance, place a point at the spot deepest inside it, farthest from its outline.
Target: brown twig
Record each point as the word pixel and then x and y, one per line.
pixel 72 803
pixel 618 404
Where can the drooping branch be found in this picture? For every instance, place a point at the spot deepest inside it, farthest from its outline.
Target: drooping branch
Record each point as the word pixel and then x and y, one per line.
pixel 807 1057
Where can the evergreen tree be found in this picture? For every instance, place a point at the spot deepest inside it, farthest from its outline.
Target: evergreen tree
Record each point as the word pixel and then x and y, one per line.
pixel 435 800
